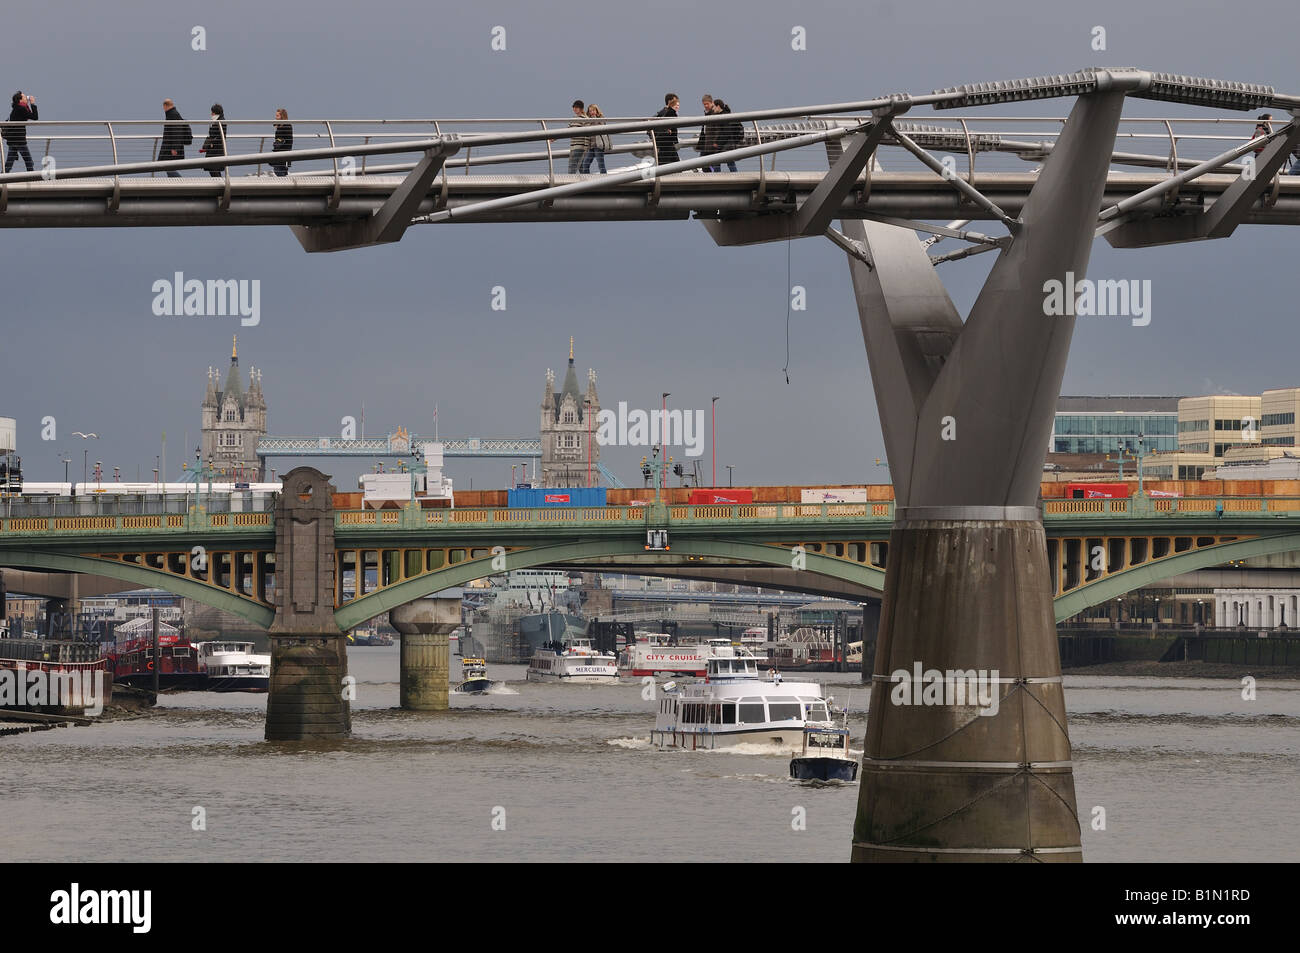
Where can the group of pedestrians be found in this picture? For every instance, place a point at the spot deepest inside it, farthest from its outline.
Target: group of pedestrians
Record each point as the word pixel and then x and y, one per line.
pixel 584 150
pixel 714 138
pixel 588 150
pixel 175 137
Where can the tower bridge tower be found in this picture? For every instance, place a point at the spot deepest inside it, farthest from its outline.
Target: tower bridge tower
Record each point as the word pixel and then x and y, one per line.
pixel 566 429
pixel 233 420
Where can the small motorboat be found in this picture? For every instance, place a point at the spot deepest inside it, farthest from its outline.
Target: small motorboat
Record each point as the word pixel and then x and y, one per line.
pixel 474 680
pixel 825 756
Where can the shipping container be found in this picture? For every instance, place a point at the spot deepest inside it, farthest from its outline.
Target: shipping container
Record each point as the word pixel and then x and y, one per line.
pixel 568 496
pixel 1097 491
pixel 836 494
pixel 721 495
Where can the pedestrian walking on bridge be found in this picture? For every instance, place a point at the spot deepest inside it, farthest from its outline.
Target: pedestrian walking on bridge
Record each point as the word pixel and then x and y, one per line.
pixel 15 133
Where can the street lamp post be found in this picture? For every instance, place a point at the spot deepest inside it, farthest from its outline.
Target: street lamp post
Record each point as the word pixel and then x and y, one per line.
pixel 713 481
pixel 730 467
pixel 663 441
pixel 587 403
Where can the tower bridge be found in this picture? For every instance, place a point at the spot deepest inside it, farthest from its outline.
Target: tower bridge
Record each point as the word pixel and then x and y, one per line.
pixel 969 577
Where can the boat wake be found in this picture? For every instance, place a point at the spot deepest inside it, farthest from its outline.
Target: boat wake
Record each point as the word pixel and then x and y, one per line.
pixel 500 689
pixel 632 744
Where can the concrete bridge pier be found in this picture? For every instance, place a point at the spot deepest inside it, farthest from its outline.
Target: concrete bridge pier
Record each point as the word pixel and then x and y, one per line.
pixel 425 660
pixel 309 693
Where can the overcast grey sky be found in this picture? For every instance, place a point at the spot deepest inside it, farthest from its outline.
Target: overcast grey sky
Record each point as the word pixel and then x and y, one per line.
pixel 653 307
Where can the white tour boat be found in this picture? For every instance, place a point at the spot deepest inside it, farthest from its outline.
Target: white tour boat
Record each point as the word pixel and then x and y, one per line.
pixel 574 661
pixel 737 704
pixel 233 667
pixel 656 653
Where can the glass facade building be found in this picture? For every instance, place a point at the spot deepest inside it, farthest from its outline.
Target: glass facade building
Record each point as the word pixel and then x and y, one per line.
pixel 1108 425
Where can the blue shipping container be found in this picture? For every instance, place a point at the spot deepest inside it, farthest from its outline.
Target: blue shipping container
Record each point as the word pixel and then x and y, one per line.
pixel 569 496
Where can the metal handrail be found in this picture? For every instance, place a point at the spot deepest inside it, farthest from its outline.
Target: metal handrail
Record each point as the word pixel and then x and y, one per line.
pixel 964 129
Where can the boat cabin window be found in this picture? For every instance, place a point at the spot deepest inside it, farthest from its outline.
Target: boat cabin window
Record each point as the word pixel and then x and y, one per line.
pixel 751 714
pixel 728 714
pixel 820 740
pixel 785 711
pixel 817 712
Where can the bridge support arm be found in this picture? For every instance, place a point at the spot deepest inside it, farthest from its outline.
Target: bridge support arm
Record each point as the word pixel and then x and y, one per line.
pixel 388 223
pixel 1221 219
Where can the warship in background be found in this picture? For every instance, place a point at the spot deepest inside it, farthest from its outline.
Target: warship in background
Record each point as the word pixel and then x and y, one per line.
pixel 519 612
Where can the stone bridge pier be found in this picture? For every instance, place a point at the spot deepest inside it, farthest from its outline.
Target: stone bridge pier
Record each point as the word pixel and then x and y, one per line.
pixel 425 662
pixel 308 700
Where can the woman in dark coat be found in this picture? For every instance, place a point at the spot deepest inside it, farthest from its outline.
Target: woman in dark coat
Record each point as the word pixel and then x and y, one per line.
pixel 283 141
pixel 215 144
pixel 15 134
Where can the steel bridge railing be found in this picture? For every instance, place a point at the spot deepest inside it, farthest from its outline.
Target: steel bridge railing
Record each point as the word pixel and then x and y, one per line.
pixel 984 145
pixel 62 517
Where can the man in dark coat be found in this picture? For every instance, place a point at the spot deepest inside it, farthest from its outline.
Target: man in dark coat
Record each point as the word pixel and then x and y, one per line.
pixel 707 144
pixel 215 143
pixel 666 138
pixel 728 135
pixel 283 141
pixel 15 134
pixel 175 137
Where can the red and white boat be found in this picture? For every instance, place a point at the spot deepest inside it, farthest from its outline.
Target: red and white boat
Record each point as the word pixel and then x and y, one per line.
pixel 654 653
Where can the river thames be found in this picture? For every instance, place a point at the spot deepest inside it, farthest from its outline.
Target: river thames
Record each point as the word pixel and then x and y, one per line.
pixel 1185 769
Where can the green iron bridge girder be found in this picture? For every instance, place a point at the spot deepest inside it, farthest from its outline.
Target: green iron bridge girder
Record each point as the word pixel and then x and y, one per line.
pixel 723 535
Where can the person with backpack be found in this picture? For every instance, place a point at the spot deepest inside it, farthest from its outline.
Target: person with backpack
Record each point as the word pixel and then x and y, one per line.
pixel 15 133
pixel 283 141
pixel 175 137
pixel 666 138
pixel 215 144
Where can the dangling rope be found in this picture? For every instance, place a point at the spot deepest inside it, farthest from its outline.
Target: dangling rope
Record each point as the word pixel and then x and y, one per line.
pixel 786 369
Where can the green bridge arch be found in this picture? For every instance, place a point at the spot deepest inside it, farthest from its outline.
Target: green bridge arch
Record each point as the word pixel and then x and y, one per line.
pixel 259 615
pixel 867 577
pixel 377 603
pixel 1117 584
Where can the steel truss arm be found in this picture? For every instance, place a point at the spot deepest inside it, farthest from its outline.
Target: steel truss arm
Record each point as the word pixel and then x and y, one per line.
pixel 1218 221
pixel 388 223
pixel 814 216
pixel 958 183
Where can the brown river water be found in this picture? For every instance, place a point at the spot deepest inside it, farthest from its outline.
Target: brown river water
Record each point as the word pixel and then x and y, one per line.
pixel 1185 769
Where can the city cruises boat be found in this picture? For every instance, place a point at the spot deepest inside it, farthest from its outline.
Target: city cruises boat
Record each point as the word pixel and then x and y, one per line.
pixel 233 667
pixel 574 661
pixel 735 704
pixel 474 680
pixel 656 653
pixel 825 756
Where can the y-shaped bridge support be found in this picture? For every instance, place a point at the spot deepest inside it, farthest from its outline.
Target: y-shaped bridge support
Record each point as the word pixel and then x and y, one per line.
pixel 974 766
